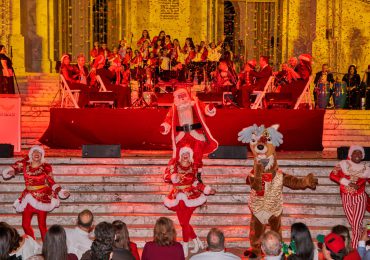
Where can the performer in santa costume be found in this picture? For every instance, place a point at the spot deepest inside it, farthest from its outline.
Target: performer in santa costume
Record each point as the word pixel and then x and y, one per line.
pixel 186 119
pixel 41 193
pixel 187 194
pixel 352 175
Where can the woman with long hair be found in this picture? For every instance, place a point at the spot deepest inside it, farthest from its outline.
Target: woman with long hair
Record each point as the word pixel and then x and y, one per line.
pixel 7 242
pixel 305 249
pixel 164 245
pixel 353 82
pixel 144 37
pixel 6 73
pixel 55 245
pixel 122 239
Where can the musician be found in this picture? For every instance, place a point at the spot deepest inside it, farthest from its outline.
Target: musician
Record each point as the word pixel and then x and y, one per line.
pixel 83 72
pixel 293 62
pixel 223 79
pixel 105 51
pixel 244 85
pixel 122 47
pixel 282 78
pixel 6 73
pixel 353 81
pixel 262 76
pixel 136 65
pixel 115 63
pixel 324 77
pixel 96 50
pixel 127 59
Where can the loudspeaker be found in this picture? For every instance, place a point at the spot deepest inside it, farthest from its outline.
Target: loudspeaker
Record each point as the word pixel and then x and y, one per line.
pixel 6 150
pixel 101 151
pixel 342 153
pixel 229 152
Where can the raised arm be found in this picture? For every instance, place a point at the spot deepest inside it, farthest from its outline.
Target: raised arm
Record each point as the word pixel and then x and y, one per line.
pixel 63 194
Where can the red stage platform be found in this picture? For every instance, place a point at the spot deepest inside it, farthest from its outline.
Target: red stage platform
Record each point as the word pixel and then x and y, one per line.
pixel 138 129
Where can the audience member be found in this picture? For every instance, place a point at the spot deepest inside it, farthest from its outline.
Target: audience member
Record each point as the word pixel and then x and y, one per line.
pixel 164 245
pixel 305 249
pixel 351 254
pixel 122 239
pixel 6 243
pixel 78 238
pixel 216 247
pixel 24 246
pixel 102 246
pixel 364 254
pixel 55 245
pixel 334 247
pixel 271 246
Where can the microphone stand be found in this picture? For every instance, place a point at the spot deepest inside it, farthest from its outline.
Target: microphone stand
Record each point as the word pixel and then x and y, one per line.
pixel 15 77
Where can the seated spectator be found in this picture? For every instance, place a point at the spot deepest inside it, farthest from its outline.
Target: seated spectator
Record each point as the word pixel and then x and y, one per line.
pixel 55 245
pixel 334 247
pixel 216 247
pixel 164 245
pixel 350 253
pixel 122 239
pixel 305 249
pixel 364 254
pixel 102 246
pixel 263 75
pixel 24 246
pixel 78 238
pixel 6 243
pixel 271 246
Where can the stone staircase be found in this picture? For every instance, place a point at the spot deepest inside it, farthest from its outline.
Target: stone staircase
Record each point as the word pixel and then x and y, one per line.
pixel 132 190
pixel 346 127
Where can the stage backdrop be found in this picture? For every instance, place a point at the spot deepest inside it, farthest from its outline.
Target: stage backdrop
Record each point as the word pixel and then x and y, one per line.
pixel 138 129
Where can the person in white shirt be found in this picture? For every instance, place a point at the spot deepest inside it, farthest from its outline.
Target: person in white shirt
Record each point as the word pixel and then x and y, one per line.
pixel 271 245
pixel 24 246
pixel 216 247
pixel 79 239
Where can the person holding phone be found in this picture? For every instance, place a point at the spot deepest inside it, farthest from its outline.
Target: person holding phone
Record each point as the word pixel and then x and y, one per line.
pixel 352 175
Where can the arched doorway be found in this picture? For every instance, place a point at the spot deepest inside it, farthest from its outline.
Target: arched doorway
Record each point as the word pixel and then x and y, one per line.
pixel 229 24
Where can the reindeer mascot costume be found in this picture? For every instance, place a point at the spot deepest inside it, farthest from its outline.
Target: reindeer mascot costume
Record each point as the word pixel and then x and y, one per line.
pixel 266 181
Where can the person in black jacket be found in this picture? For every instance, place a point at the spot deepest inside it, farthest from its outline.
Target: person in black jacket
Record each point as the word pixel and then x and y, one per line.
pixel 6 73
pixel 354 90
pixel 323 76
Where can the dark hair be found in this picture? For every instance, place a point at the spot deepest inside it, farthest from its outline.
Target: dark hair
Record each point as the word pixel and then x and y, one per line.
pixel 344 232
pixel 301 235
pixel 2 46
pixel 122 239
pixel 83 213
pixel 5 240
pixel 349 68
pixel 336 256
pixel 191 43
pixel 164 232
pixel 55 244
pixel 215 239
pixel 103 243
pixel 147 34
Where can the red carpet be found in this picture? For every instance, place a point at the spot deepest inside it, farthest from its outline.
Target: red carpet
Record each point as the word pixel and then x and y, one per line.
pixel 138 129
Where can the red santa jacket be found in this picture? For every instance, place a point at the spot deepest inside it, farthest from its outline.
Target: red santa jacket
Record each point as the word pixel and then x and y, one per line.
pixel 199 110
pixel 261 77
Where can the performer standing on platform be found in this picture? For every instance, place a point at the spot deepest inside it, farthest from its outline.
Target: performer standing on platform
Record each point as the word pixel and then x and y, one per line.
pixel 352 175
pixel 6 73
pixel 324 77
pixel 353 81
pixel 187 194
pixel 263 75
pixel 41 193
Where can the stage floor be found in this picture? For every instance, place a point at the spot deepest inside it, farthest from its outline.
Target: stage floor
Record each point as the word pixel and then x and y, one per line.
pixel 138 129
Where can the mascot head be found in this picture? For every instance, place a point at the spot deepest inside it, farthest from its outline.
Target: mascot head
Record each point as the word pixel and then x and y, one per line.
pixel 181 98
pixel 263 142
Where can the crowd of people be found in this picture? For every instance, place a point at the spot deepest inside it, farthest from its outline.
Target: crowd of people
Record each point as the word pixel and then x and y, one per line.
pixel 150 61
pixel 111 241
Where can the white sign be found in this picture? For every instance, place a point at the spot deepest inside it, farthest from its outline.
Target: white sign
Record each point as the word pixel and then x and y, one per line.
pixel 10 120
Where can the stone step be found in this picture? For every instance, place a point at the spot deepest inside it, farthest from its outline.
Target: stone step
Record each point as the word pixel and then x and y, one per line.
pixel 138 178
pixel 197 219
pixel 349 132
pixel 290 196
pixel 342 127
pixel 338 143
pixel 154 186
pixel 158 207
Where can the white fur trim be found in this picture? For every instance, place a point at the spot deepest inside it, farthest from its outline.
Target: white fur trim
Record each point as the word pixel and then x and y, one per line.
pixel 211 112
pixel 61 194
pixel 55 186
pixel 175 178
pixel 356 148
pixel 167 128
pixel 344 181
pixel 186 149
pixel 189 203
pixel 207 190
pixel 6 172
pixel 29 199
pixel 39 149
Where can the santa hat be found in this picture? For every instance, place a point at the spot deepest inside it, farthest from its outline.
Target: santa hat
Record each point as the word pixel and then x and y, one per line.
pixel 306 57
pixel 186 149
pixel 39 149
pixel 356 148
pixel 63 57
